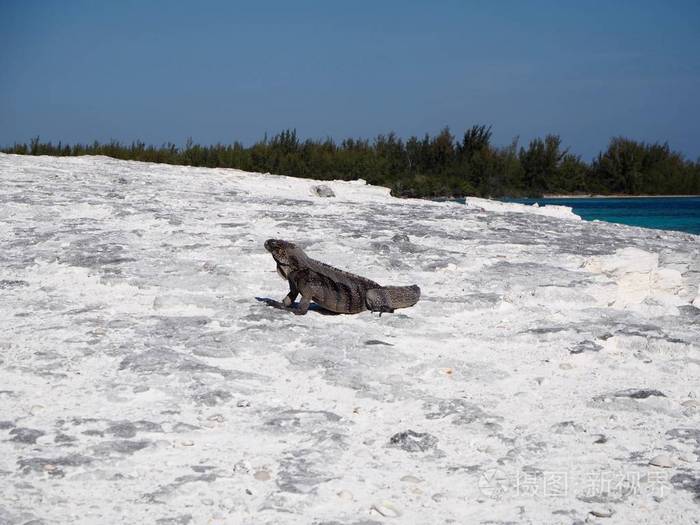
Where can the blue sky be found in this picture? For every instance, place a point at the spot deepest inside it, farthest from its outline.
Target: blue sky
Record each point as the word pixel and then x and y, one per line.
pixel 221 71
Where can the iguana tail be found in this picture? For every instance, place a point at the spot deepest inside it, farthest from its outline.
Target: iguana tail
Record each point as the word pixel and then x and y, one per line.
pixel 388 298
pixel 403 296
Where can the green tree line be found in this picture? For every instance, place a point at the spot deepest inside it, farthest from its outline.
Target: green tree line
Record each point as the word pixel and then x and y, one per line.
pixel 432 166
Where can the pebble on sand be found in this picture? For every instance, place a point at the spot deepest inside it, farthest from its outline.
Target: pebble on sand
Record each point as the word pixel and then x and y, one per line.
pixel 322 190
pixel 662 460
pixel 410 479
pixel 602 513
pixel 345 494
pixel 386 509
pixel 413 441
pixel 262 475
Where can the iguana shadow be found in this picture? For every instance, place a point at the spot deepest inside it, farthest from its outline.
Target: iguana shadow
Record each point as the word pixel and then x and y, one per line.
pixel 313 307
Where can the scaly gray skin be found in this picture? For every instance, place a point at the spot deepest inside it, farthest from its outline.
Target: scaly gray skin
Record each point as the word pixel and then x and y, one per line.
pixel 333 289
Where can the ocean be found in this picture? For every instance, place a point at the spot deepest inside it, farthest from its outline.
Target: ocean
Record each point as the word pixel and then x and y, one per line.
pixel 662 213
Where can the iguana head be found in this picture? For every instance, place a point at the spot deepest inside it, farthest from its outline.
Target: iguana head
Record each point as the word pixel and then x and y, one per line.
pixel 286 254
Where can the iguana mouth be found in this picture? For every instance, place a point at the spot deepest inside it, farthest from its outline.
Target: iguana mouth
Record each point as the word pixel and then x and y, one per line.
pixel 275 244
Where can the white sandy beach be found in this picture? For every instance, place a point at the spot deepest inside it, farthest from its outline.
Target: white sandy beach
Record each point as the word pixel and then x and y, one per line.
pixel 143 379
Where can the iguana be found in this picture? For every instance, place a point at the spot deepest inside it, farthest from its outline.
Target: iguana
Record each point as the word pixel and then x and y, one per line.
pixel 333 289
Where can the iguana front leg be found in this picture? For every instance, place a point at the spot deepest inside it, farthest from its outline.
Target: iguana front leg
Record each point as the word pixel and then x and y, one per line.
pixel 292 295
pixel 303 306
pixel 298 284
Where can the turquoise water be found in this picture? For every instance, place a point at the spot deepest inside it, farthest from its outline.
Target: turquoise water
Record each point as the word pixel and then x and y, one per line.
pixel 662 213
